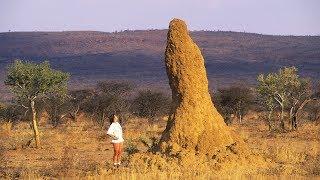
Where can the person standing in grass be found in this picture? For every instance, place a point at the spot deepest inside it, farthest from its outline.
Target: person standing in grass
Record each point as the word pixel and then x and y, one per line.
pixel 115 132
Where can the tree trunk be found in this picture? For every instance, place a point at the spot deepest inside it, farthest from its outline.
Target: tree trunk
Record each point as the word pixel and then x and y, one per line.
pixel 291 117
pixel 35 124
pixel 282 118
pixel 74 115
pixel 294 114
pixel 294 122
pixel 240 118
pixel 269 120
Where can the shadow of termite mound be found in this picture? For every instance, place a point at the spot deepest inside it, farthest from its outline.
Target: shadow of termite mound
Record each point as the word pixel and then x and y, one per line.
pixel 196 135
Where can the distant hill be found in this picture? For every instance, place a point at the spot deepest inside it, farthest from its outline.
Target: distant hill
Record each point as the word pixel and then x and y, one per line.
pixel 138 55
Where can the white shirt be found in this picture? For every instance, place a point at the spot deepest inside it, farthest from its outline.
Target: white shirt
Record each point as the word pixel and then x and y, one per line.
pixel 115 129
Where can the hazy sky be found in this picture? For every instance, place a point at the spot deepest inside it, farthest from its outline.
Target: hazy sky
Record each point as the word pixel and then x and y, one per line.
pixel 296 17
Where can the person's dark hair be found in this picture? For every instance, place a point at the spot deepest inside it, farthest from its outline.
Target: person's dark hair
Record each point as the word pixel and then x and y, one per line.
pixel 111 118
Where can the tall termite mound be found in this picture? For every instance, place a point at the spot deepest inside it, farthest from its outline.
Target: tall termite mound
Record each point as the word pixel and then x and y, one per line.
pixel 194 123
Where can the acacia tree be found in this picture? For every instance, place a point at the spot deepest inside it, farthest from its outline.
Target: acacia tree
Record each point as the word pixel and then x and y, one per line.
pixel 57 106
pixel 279 86
pixel 151 104
pixel 269 103
pixel 109 97
pixel 78 100
pixel 60 106
pixel 313 108
pixel 234 100
pixel 301 94
pixel 31 81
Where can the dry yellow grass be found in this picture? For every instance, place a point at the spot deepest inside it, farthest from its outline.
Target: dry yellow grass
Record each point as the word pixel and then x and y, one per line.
pixel 5 128
pixel 81 150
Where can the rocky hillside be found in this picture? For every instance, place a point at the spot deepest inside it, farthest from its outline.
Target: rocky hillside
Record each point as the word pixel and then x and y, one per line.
pixel 138 55
pixel 217 46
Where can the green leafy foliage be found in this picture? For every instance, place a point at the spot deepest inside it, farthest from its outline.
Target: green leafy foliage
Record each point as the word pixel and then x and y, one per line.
pixel 278 86
pixel 284 89
pixel 28 80
pixel 234 100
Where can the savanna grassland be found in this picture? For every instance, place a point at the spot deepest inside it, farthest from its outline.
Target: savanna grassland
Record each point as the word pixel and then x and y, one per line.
pixel 81 149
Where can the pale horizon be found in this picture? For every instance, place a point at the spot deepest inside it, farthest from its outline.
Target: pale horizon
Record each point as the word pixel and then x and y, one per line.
pixel 271 17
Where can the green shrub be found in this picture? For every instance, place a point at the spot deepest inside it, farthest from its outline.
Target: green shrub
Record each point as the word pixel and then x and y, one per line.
pixel 151 104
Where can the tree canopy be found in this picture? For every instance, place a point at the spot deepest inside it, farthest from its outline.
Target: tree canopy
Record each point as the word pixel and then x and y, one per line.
pixel 29 80
pixel 284 89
